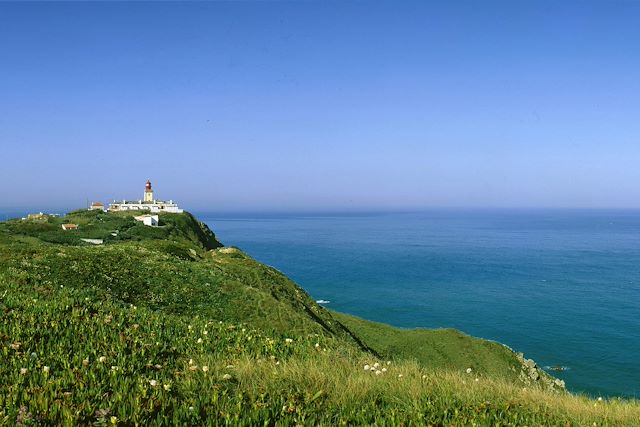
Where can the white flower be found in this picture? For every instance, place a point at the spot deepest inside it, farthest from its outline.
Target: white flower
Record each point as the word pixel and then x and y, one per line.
pixel 384 369
pixel 468 370
pixel 378 372
pixel 400 375
pixel 167 387
pixel 376 365
pixel 191 362
pixel 153 383
pixel 317 345
pixel 477 380
pixel 388 362
pixel 288 340
pixel 199 340
pixel 205 369
pixel 424 377
pixel 114 368
pixel 23 371
pixel 45 369
pixel 205 332
pixel 101 359
pixel 367 367
pixel 229 366
pixel 191 408
pixel 599 399
pixel 226 377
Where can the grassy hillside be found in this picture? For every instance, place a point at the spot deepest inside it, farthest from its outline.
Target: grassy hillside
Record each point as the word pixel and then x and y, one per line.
pixel 164 326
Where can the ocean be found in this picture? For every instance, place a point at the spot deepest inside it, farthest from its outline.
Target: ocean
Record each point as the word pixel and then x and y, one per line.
pixel 562 286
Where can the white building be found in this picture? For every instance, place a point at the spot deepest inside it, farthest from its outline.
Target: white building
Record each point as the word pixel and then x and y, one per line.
pixel 150 220
pixel 148 203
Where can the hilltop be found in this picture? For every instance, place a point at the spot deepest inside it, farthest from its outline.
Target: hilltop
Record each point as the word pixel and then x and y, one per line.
pixel 117 322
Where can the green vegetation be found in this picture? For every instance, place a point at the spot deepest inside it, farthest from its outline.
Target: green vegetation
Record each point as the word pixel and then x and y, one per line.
pixel 164 326
pixel 436 349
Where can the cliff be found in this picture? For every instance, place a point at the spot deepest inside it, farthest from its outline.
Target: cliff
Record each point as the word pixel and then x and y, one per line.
pixel 164 325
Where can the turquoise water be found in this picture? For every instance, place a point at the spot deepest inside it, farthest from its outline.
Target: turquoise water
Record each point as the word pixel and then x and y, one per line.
pixel 561 286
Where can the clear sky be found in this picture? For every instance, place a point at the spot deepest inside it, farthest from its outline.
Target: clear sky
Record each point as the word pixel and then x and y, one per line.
pixel 321 105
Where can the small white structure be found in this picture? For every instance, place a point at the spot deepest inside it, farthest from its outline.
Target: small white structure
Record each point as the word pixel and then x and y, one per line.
pixel 96 206
pixel 93 241
pixel 148 203
pixel 67 227
pixel 149 220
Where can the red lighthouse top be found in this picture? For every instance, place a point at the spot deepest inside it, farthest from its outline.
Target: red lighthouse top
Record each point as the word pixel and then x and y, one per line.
pixel 147 186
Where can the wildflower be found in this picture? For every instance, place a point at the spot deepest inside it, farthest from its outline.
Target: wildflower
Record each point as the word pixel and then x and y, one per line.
pixel 157 366
pixel 190 327
pixel 135 326
pixel 191 408
pixel 388 362
pixel 288 340
pixel 199 340
pixel 16 345
pixel 85 362
pixel 367 367
pixel 477 380
pixel 400 375
pixel 23 371
pixel 468 370
pixel 193 367
pixel 191 362
pixel 384 369
pixel 108 319
pixel 317 345
pixel 45 369
pixel 34 355
pixel 101 359
pixel 167 387
pixel 205 369
pixel 378 372
pixel 599 399
pixel 114 368
pixel 205 332
pixel 153 383
pixel 114 420
pixel 376 365
pixel 424 377
pixel 226 377
pixel 230 366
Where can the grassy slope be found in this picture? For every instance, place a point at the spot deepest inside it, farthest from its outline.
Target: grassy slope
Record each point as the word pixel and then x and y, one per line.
pixel 72 303
pixel 436 348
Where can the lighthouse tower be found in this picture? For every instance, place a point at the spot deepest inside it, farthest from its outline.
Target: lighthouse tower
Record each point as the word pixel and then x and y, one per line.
pixel 148 192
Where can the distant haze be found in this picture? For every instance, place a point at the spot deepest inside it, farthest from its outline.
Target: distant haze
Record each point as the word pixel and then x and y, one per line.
pixel 321 105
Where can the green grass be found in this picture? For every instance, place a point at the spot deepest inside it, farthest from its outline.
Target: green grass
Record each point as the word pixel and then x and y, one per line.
pixel 435 349
pixel 174 330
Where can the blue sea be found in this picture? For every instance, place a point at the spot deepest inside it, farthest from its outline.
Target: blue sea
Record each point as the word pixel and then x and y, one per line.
pixel 562 286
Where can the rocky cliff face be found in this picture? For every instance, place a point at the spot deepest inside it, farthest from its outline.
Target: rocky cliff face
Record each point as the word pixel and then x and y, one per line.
pixel 531 373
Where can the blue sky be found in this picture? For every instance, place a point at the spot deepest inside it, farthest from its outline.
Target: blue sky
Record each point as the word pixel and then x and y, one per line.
pixel 321 105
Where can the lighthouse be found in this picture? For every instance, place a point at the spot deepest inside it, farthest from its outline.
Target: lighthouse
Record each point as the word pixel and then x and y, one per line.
pixel 148 193
pixel 148 203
